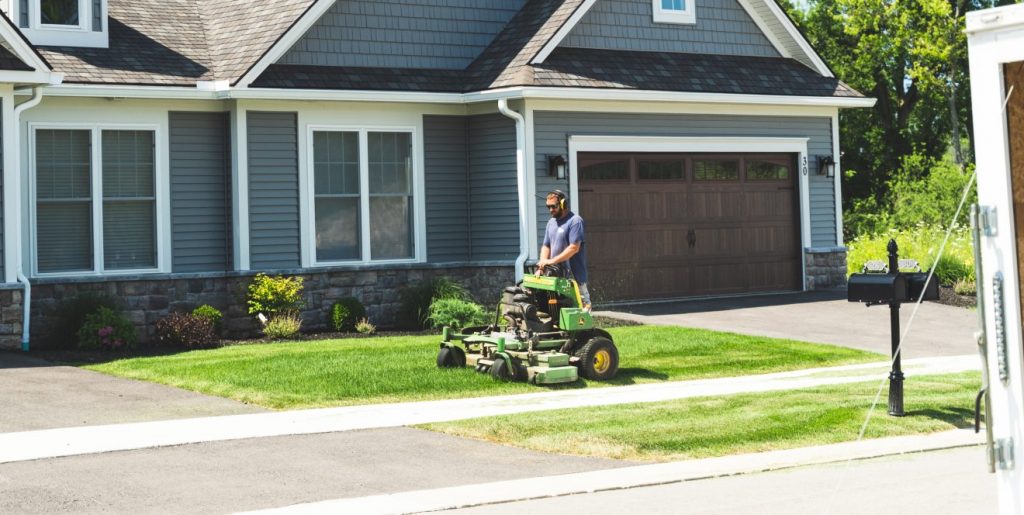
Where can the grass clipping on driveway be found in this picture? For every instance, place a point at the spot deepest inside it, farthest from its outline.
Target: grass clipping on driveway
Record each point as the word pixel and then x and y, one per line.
pixel 392 369
pixel 734 424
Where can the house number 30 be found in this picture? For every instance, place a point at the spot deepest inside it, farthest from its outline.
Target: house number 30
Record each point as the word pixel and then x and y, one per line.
pixel 804 165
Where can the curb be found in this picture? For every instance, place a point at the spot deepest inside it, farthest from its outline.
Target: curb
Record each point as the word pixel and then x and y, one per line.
pixel 639 476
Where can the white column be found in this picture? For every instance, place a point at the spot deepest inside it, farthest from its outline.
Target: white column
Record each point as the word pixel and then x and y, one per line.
pixel 240 185
pixel 11 185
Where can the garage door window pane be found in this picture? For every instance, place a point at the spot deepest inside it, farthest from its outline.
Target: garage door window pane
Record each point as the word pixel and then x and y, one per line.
pixel 336 195
pixel 605 170
pixel 716 170
pixel 758 170
pixel 660 170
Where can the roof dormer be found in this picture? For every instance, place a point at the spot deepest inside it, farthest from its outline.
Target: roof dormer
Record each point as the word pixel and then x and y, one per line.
pixel 75 23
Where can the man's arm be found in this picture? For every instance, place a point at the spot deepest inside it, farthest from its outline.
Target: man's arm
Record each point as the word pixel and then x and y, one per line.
pixel 569 252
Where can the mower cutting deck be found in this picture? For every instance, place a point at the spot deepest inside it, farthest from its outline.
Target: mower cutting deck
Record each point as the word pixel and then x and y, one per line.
pixel 541 334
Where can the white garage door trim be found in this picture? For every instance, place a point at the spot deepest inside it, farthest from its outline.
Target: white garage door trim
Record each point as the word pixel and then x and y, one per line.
pixel 664 144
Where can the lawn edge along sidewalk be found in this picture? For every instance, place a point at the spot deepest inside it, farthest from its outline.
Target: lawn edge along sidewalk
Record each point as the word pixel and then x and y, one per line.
pixel 52 443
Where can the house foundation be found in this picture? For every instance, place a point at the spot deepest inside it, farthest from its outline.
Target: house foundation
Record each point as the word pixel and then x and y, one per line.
pixel 825 268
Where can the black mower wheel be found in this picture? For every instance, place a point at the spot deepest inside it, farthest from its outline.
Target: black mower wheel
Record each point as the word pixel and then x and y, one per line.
pixel 451 357
pixel 500 370
pixel 599 359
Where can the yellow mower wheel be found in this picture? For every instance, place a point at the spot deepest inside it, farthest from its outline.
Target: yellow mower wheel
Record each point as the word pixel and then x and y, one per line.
pixel 599 359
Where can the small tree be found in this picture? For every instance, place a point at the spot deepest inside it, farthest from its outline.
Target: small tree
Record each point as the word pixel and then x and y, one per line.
pixel 276 295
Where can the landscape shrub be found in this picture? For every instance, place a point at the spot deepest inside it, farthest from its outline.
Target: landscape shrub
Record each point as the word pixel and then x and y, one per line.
pixel 186 330
pixel 949 270
pixel 68 316
pixel 107 329
pixel 210 313
pixel 365 327
pixel 965 287
pixel 283 325
pixel 275 295
pixel 346 313
pixel 414 301
pixel 456 313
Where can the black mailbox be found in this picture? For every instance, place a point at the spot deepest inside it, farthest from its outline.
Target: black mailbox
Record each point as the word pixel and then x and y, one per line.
pixel 877 288
pixel 917 289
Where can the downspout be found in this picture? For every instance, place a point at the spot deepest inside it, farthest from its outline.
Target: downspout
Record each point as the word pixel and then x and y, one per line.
pixel 524 198
pixel 37 96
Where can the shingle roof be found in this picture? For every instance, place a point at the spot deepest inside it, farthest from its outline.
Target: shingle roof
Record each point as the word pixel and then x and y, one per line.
pixel 178 42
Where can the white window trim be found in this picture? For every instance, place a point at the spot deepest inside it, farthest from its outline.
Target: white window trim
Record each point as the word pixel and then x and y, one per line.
pixel 80 35
pixel 670 144
pixel 309 195
pixel 162 237
pixel 687 16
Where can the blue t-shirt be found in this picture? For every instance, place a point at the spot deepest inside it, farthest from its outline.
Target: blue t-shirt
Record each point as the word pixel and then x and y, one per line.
pixel 559 234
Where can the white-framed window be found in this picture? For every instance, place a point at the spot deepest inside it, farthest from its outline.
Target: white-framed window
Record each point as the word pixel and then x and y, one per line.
pixel 675 11
pixel 76 23
pixel 95 200
pixel 362 192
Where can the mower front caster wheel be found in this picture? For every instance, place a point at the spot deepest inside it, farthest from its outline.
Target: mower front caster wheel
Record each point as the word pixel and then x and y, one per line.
pixel 501 370
pixel 451 357
pixel 599 359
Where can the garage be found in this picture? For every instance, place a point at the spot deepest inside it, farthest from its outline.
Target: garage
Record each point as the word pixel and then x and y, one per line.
pixel 669 225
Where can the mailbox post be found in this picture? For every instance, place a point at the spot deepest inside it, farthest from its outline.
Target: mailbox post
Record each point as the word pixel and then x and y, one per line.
pixel 888 285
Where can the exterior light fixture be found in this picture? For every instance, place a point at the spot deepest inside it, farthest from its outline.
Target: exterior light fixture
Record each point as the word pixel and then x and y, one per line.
pixel 826 166
pixel 557 166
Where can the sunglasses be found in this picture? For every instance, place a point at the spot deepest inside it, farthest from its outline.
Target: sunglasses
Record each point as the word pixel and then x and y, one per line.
pixel 551 207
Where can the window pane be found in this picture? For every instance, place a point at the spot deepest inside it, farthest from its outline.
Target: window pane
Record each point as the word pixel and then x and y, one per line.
pixel 64 236
pixel 63 164
pixel 128 164
pixel 614 169
pixel 390 156
pixel 660 170
pixel 129 227
pixel 673 5
pixel 716 170
pixel 58 12
pixel 336 163
pixel 391 227
pixel 758 170
pixel 337 228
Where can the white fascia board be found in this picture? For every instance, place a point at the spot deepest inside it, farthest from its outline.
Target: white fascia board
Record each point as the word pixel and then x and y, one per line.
pixel 819 64
pixel 564 31
pixel 25 77
pixel 289 38
pixel 346 95
pixel 113 91
pixel 994 19
pixel 667 96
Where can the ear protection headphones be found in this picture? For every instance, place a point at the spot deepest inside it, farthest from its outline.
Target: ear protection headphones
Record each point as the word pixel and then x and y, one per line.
pixel 561 198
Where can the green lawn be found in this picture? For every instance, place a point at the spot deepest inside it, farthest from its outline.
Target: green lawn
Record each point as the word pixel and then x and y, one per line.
pixel 391 369
pixel 734 424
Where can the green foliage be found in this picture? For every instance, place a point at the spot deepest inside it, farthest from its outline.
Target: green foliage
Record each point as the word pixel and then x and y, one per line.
pixel 283 325
pixel 210 313
pixel 275 295
pixel 365 327
pixel 965 287
pixel 187 330
pixel 920 243
pixel 346 313
pixel 106 329
pixel 414 301
pixel 456 313
pixel 68 316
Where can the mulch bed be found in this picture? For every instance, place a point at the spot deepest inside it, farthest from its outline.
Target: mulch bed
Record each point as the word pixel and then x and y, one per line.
pixel 951 298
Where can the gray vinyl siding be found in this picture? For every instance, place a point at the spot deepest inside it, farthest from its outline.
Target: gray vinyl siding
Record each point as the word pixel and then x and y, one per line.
pixel 493 188
pixel 273 191
pixel 446 159
pixel 723 27
pixel 97 15
pixel 445 34
pixel 201 226
pixel 552 130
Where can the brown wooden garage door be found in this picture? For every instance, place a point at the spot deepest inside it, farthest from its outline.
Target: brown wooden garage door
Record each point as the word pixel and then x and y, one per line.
pixel 679 225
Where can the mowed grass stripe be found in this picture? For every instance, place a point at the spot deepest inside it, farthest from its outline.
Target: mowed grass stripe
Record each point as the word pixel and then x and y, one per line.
pixel 735 424
pixel 394 369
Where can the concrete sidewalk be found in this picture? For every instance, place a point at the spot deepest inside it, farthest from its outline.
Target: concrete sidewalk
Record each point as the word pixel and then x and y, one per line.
pixel 52 443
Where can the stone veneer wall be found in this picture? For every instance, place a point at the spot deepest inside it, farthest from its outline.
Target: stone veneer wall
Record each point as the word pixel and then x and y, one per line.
pixel 146 300
pixel 826 267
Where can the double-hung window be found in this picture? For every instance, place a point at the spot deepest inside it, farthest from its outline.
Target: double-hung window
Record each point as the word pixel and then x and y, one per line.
pixel 363 196
pixel 674 11
pixel 95 213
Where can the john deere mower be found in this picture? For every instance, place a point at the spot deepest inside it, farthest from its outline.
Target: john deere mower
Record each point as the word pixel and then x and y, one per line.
pixel 540 334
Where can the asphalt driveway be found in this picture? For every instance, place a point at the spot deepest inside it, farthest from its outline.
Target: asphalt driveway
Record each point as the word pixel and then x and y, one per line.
pixel 819 317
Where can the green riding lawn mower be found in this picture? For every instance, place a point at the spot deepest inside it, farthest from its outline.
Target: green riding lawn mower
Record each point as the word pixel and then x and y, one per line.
pixel 541 334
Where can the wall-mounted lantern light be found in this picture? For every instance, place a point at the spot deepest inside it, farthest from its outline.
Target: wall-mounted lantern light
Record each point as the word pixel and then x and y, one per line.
pixel 826 166
pixel 556 166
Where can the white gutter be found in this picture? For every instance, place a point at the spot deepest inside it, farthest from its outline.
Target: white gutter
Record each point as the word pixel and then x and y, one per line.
pixel 206 92
pixel 37 96
pixel 524 196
